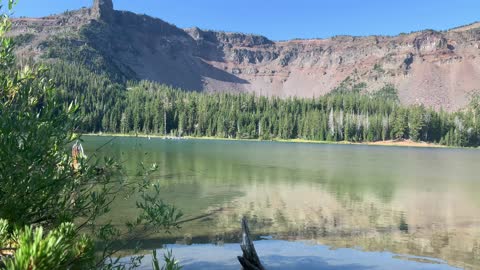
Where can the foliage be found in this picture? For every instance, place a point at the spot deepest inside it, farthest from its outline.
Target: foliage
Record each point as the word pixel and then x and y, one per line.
pixel 91 48
pixel 60 248
pixel 349 113
pixel 23 38
pixel 85 70
pixel 378 68
pixel 170 262
pixel 42 195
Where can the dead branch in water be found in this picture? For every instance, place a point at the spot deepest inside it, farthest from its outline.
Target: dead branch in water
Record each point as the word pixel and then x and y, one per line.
pixel 249 260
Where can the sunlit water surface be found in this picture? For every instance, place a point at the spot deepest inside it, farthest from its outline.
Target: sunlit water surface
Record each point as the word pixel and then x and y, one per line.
pixel 324 206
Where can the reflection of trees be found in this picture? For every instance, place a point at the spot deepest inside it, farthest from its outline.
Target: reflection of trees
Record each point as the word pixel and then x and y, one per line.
pixel 327 201
pixel 353 186
pixel 369 223
pixel 403 225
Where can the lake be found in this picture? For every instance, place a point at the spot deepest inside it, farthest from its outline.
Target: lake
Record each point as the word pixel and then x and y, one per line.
pixel 312 206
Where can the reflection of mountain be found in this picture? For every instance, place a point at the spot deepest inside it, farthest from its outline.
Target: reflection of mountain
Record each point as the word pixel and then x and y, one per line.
pixel 308 212
pixel 408 201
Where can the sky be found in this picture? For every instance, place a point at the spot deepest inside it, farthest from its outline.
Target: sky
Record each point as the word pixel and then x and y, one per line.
pixel 288 19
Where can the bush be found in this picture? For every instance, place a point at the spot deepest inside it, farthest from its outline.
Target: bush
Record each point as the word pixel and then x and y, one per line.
pixel 49 200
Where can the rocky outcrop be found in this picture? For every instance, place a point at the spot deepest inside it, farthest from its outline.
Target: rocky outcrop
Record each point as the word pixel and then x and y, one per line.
pixel 438 69
pixel 103 9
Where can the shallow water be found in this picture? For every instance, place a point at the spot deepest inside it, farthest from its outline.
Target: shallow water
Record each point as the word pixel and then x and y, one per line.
pixel 279 255
pixel 412 201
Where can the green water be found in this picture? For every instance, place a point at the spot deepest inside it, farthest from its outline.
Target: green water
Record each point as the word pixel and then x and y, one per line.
pixel 411 201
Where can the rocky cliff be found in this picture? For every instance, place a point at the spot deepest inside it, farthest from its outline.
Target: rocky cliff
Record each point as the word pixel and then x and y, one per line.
pixel 435 68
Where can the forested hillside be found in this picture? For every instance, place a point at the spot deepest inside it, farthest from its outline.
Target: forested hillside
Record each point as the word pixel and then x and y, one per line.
pixel 349 113
pixel 438 69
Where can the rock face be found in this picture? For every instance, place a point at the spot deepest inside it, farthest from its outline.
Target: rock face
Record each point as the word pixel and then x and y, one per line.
pixel 438 69
pixel 103 9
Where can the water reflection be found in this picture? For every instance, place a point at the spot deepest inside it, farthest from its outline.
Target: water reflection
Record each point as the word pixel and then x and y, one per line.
pixel 280 255
pixel 420 202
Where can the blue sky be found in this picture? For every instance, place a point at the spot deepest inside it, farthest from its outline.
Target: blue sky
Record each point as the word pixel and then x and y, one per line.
pixel 288 19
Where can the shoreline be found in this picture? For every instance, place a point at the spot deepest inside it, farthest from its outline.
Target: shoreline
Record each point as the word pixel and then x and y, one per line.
pixel 389 143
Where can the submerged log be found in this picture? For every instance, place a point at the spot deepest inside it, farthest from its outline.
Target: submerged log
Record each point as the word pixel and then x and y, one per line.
pixel 249 260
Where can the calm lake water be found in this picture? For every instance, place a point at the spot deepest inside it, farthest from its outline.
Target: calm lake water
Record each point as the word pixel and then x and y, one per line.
pixel 321 206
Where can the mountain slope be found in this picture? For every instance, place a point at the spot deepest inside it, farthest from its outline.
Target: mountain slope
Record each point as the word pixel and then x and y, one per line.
pixel 438 69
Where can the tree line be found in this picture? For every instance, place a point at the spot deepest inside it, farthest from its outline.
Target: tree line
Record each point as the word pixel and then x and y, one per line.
pixel 348 113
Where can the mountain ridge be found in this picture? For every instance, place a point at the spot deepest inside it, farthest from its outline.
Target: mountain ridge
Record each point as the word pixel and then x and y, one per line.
pixel 439 69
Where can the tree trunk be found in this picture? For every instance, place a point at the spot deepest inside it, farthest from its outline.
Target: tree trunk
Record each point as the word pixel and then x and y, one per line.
pixel 249 260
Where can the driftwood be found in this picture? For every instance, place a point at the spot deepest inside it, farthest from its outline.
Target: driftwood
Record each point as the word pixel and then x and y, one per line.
pixel 249 260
